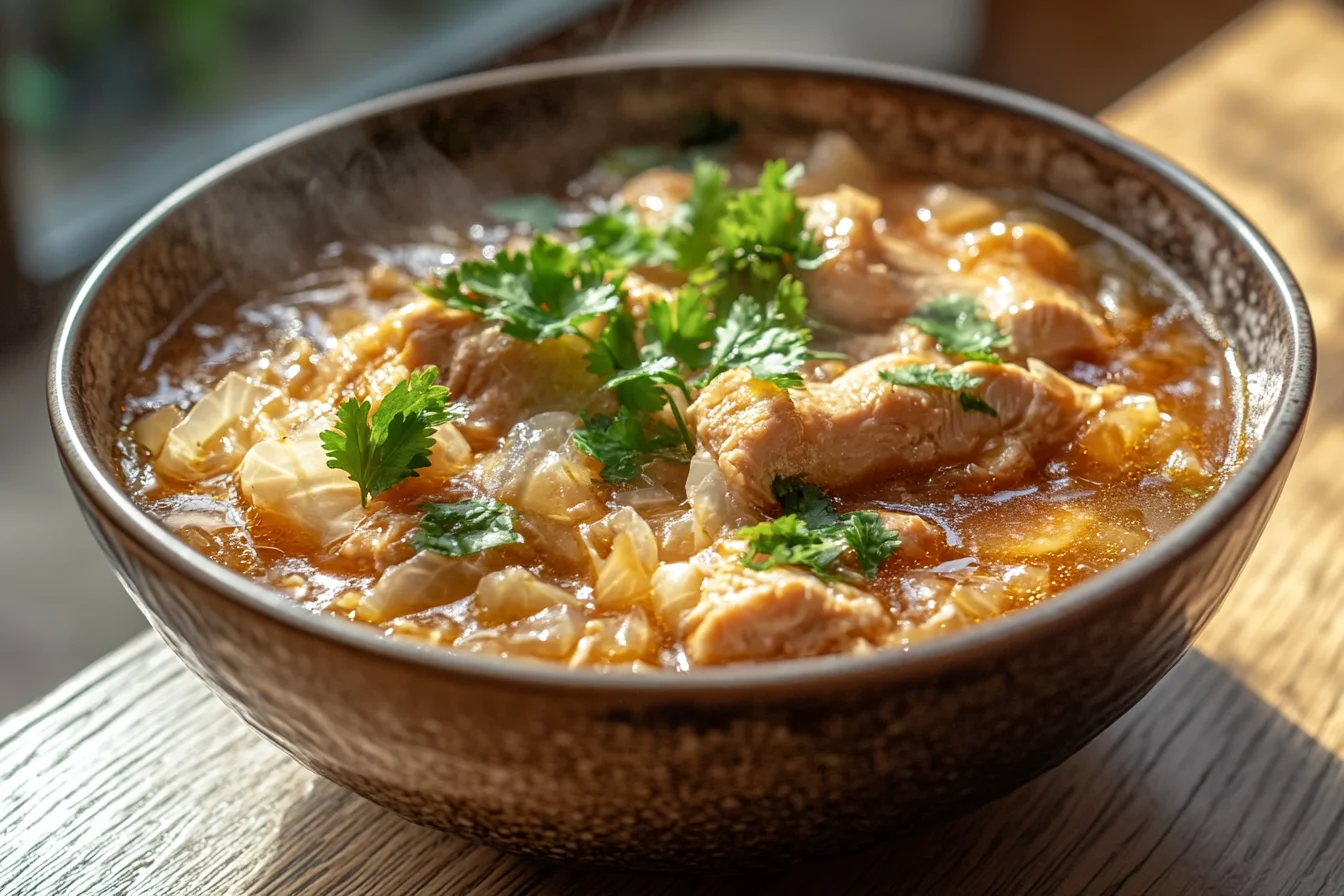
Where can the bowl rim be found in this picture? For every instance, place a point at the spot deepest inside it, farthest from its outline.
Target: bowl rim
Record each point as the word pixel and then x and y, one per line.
pixel 939 655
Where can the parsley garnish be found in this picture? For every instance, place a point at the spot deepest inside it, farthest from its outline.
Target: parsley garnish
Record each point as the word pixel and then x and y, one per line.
pixel 928 376
pixel 762 340
pixel 467 527
pixel 812 535
pixel 538 211
pixel 959 326
pixel 626 442
pixel 546 292
pixel 380 453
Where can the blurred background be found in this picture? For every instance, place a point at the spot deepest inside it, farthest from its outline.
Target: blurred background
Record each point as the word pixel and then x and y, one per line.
pixel 108 105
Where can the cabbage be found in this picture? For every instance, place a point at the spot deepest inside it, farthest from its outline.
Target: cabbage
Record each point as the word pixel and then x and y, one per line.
pixel 450 453
pixel 515 593
pixel 835 159
pixel 216 431
pixel 289 480
pixel 538 470
pixel 676 590
pixel 621 639
pixel 1112 441
pixel 624 554
pixel 551 634
pixel 151 431
pixel 424 581
pixel 716 509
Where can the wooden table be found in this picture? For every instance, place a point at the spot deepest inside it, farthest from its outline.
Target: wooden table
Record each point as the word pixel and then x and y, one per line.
pixel 1226 779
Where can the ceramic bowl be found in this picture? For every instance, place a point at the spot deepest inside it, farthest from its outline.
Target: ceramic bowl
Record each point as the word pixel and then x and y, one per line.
pixel 747 764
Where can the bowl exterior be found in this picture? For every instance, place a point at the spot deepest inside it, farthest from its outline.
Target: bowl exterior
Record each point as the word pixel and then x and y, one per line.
pixel 674 777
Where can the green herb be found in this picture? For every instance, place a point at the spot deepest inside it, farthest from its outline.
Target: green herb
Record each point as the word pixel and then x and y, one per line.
pixel 959 326
pixel 467 527
pixel 805 501
pixel 788 541
pixel 623 238
pixel 871 542
pixel 1201 492
pixel 681 327
pixel 812 535
pixel 762 233
pixel 762 340
pixel 537 211
pixel 379 453
pixel 546 292
pixel 639 378
pixel 626 443
pixel 694 227
pixel 929 376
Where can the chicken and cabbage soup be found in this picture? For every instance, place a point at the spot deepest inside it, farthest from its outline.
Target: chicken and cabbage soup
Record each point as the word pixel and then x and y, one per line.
pixel 693 412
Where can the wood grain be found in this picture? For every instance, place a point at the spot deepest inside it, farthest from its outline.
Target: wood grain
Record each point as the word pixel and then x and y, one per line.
pixel 1226 779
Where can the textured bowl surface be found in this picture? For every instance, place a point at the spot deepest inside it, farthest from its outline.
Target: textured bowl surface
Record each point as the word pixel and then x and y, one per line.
pixel 740 765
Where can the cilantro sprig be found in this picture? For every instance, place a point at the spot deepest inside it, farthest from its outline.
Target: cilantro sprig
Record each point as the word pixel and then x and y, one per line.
pixel 959 326
pixel 930 376
pixel 380 451
pixel 626 443
pixel 813 536
pixel 766 339
pixel 466 527
pixel 546 292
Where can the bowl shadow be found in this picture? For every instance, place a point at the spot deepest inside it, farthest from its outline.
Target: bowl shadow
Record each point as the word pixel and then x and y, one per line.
pixel 1202 788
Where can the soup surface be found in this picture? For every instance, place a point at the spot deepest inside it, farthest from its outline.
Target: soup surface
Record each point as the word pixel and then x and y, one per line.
pixel 692 414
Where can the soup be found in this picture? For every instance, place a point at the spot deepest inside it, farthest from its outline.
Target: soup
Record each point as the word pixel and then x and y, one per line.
pixel 692 414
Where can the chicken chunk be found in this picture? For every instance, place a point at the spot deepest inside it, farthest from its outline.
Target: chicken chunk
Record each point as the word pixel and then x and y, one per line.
pixel 1042 320
pixel 921 540
pixel 500 379
pixel 854 287
pixel 656 193
pixel 860 427
pixel 746 614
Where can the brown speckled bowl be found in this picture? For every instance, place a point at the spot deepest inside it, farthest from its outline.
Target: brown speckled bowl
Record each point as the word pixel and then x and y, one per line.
pixel 746 764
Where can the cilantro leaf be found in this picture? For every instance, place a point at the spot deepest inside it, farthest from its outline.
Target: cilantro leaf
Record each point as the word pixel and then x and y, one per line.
pixel 637 377
pixel 626 442
pixel 812 535
pixel 449 292
pixel 379 453
pixel 544 293
pixel 959 326
pixel 467 527
pixel 623 238
pixel 929 376
pixel 971 402
pixel 788 541
pixel 871 542
pixel 762 233
pixel 694 227
pixel 762 341
pixel 805 501
pixel 681 327
pixel 538 211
